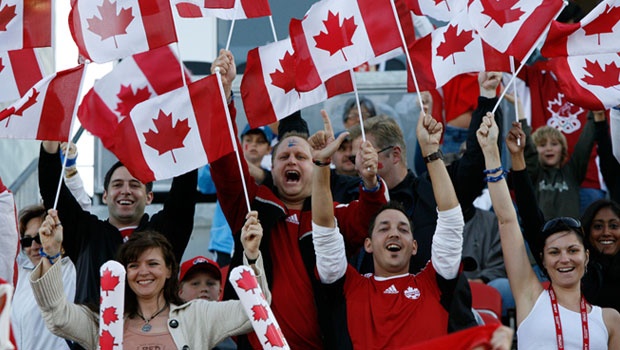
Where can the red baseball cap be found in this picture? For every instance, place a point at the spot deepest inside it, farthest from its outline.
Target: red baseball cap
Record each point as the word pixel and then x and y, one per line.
pixel 202 263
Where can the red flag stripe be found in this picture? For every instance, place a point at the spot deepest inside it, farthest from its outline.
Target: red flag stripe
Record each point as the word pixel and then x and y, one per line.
pixel 422 60
pixel 76 28
pixel 103 124
pixel 574 92
pixel 37 23
pixel 156 15
pixel 126 139
pixel 254 8
pixel 382 32
pixel 162 80
pixel 339 84
pixel 536 23
pixel 306 78
pixel 210 117
pixel 59 104
pixel 24 63
pixel 258 111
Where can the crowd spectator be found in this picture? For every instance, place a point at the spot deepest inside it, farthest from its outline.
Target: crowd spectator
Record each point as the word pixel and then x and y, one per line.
pixel 146 256
pixel 89 241
pixel 391 308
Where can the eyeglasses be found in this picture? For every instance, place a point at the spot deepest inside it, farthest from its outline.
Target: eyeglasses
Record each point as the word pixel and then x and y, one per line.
pixel 27 241
pixel 352 158
pixel 561 224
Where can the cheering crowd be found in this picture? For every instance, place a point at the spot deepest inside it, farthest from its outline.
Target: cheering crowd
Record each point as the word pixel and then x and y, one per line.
pixel 352 247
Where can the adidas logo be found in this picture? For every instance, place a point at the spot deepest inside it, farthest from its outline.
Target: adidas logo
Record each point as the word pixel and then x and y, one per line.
pixel 391 290
pixel 293 219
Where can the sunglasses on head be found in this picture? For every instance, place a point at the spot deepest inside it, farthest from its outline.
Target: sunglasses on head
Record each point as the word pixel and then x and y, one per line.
pixel 352 158
pixel 27 241
pixel 561 224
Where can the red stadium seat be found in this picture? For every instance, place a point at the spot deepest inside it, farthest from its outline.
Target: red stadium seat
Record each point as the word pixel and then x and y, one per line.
pixel 487 301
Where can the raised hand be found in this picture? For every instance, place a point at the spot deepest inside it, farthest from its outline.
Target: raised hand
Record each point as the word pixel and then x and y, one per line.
pixel 515 139
pixel 487 133
pixel 323 143
pixel 251 235
pixel 429 134
pixel 226 63
pixel 488 82
pixel 50 233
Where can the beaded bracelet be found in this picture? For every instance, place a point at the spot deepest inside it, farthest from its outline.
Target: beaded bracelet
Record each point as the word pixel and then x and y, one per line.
pixel 50 258
pixel 496 178
pixel 492 171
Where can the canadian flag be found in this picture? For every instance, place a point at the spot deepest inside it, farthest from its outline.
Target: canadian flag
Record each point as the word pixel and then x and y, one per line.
pixel 513 26
pixel 336 36
pixel 173 133
pixel 598 32
pixel 442 10
pixel 452 50
pixel 7 341
pixel 25 24
pixel 224 9
pixel 46 110
pixel 104 30
pixel 19 71
pixel 585 57
pixel 268 85
pixel 134 80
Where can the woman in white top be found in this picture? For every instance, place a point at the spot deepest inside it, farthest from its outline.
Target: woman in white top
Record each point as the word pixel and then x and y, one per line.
pixel 28 325
pixel 557 316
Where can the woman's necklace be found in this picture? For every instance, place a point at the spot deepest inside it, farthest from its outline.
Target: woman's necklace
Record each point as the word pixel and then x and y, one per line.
pixel 147 326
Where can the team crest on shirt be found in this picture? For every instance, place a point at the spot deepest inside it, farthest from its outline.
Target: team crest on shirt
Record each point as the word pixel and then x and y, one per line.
pixel 412 293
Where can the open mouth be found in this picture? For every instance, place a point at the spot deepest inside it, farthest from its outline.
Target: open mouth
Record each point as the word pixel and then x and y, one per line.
pixel 566 269
pixel 393 247
pixel 292 176
pixel 607 242
pixel 144 282
pixel 125 202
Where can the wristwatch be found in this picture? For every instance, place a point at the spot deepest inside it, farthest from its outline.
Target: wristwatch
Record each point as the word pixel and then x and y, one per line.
pixel 433 156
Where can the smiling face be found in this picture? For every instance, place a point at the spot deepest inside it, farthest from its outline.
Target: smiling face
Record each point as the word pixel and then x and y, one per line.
pixel 292 171
pixel 147 275
pixel 126 198
pixel 565 258
pixel 605 232
pixel 391 243
pixel 32 230
pixel 550 152
pixel 200 285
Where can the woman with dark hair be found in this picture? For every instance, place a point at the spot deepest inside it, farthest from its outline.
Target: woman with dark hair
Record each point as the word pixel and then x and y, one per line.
pixel 601 223
pixel 351 116
pixel 557 315
pixel 26 319
pixel 154 315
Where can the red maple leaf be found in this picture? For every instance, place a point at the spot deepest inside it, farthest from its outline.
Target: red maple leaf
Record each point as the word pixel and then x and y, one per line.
pixel 260 313
pixel 219 4
pixel 168 136
pixel 129 100
pixel 336 37
pixel 501 11
pixel 107 341
pixel 110 24
pixel 247 281
pixel 285 78
pixel 274 336
pixel 604 23
pixel 454 42
pixel 109 315
pixel 9 112
pixel 605 77
pixel 6 15
pixel 108 281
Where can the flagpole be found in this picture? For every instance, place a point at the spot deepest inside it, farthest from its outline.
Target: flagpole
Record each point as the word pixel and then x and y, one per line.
pixel 233 138
pixel 357 102
pixel 69 140
pixel 514 90
pixel 402 38
pixel 232 26
pixel 273 29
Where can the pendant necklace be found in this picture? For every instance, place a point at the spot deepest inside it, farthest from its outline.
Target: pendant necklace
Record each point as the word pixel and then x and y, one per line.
pixel 147 326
